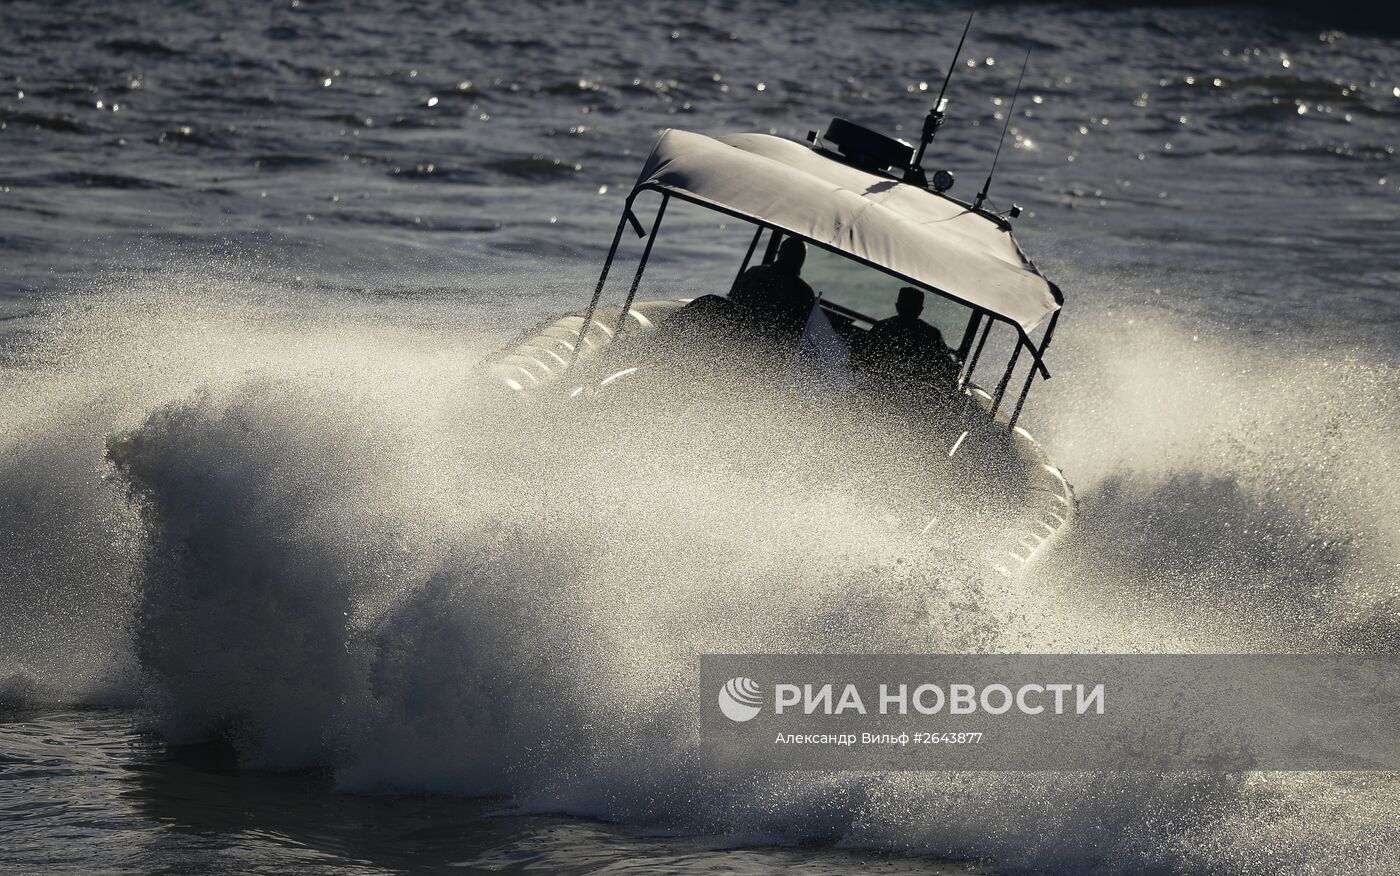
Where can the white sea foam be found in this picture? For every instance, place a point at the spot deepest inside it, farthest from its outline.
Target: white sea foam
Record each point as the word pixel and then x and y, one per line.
pixel 328 542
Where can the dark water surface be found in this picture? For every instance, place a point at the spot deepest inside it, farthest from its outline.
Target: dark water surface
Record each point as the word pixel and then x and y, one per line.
pixel 1245 155
pixel 270 242
pixel 107 798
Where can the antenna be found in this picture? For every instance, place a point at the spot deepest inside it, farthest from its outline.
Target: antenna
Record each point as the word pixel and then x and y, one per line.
pixel 934 120
pixel 982 195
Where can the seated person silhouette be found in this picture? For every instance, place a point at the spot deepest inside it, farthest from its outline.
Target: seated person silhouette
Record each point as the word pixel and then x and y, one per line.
pixel 775 295
pixel 905 347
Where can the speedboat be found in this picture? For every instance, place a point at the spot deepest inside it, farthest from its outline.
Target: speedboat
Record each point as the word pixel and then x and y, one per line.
pixel 873 223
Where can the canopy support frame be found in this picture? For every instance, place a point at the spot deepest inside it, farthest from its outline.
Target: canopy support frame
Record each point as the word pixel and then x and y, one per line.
pixel 1005 379
pixel 642 264
pixel 1030 377
pixel 966 377
pixel 974 322
pixel 603 276
pixel 748 256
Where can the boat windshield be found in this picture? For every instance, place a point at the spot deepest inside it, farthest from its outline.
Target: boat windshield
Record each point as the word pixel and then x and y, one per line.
pixel 872 293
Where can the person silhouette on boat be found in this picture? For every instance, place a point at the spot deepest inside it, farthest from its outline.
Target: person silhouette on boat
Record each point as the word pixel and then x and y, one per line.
pixel 764 315
pixel 905 347
pixel 775 294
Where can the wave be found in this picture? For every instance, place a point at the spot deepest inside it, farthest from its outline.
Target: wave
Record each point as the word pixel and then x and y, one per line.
pixel 309 531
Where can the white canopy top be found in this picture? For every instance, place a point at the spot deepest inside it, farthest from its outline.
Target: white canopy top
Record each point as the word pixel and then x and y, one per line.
pixel 924 237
